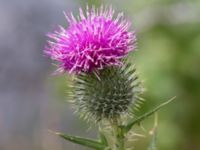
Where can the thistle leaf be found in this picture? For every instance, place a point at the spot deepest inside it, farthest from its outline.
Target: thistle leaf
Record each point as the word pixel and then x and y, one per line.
pixel 144 116
pixel 82 141
pixel 152 145
pixel 153 132
pixel 103 138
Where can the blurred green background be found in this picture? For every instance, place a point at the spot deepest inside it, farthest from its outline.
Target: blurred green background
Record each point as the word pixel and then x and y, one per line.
pixel 167 59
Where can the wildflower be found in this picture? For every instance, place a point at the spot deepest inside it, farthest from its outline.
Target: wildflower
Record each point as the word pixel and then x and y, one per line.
pixel 92 41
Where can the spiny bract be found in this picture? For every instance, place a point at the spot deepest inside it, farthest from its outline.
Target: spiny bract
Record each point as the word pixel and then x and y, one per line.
pixel 109 94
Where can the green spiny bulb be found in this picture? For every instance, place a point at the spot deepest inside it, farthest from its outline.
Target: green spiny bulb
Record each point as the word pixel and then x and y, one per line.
pixel 109 94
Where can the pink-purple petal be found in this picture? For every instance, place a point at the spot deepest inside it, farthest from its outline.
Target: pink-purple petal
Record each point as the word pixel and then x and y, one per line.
pixel 92 41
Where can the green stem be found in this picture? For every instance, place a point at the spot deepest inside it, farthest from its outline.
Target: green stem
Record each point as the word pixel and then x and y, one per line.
pixel 119 135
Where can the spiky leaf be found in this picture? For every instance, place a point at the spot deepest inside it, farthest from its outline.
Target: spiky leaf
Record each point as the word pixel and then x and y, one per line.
pixel 153 132
pixel 103 138
pixel 152 145
pixel 82 141
pixel 141 118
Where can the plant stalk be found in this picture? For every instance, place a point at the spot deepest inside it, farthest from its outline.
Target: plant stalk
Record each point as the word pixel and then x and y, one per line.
pixel 119 135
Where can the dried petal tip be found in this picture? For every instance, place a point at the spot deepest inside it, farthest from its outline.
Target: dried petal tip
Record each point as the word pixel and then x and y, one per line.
pixel 92 41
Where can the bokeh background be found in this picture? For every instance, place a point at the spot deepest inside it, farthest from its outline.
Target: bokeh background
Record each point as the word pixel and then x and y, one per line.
pixel 32 101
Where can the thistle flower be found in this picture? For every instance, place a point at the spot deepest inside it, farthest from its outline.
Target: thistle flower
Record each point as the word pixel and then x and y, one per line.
pixel 95 46
pixel 92 41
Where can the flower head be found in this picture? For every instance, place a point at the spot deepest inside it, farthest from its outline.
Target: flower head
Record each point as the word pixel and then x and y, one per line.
pixel 92 41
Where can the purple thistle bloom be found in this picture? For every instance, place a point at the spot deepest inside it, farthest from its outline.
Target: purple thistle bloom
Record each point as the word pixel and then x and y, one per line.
pixel 92 41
